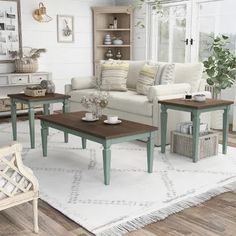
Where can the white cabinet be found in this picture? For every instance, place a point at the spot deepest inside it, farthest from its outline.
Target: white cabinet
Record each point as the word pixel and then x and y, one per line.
pixel 16 83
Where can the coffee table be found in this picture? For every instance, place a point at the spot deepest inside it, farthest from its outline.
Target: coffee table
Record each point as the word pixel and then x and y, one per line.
pixel 100 132
pixel 46 100
pixel 195 108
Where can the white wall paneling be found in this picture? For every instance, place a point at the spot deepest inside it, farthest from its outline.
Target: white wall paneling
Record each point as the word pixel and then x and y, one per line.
pixel 64 60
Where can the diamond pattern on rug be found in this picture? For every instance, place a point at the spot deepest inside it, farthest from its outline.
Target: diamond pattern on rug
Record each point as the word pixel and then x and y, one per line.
pixel 71 180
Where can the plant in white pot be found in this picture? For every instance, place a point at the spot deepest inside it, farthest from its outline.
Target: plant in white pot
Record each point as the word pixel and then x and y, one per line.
pixel 220 66
pixel 26 61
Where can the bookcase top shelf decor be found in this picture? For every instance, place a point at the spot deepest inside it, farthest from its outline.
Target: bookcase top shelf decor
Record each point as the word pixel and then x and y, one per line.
pixel 112 33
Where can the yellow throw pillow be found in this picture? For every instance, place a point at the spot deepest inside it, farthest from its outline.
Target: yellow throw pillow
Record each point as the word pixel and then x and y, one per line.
pixel 146 79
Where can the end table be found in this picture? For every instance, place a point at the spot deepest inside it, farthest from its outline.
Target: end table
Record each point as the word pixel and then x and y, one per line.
pixel 31 102
pixel 195 108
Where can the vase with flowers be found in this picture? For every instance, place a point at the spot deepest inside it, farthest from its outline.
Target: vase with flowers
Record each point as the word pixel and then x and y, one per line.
pixel 26 60
pixel 97 101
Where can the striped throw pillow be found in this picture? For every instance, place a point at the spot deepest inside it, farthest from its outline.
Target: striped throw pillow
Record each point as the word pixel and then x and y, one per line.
pixel 146 79
pixel 114 76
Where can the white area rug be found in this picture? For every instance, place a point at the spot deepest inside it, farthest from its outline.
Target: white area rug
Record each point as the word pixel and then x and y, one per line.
pixel 71 180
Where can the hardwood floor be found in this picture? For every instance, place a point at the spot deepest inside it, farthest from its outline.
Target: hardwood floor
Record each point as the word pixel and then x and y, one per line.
pixel 216 217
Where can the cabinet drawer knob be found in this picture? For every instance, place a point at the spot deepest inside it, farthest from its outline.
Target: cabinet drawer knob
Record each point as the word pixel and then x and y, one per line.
pixel 20 79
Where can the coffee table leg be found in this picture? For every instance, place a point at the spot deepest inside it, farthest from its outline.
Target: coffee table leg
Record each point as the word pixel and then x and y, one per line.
pixel 106 163
pixel 65 110
pixel 31 126
pixel 44 136
pixel 164 117
pixel 225 129
pixel 150 151
pixel 196 126
pixel 84 143
pixel 13 118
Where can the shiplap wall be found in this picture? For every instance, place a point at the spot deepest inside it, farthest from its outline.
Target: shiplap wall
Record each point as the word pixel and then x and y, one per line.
pixel 64 60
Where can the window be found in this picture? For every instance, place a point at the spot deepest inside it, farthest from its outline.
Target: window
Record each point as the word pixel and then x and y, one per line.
pixel 182 33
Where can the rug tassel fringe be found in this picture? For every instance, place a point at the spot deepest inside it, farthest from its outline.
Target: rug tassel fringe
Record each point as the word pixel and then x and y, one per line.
pixel 161 214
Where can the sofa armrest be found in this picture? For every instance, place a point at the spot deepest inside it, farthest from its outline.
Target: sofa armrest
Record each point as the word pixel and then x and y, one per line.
pixel 167 90
pixel 67 88
pixel 86 82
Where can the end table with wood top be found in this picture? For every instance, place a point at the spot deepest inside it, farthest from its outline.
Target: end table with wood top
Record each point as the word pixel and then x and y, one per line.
pixel 46 100
pixel 100 132
pixel 195 108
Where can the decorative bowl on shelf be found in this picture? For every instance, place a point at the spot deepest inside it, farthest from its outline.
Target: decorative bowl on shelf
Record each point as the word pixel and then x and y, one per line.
pixel 117 41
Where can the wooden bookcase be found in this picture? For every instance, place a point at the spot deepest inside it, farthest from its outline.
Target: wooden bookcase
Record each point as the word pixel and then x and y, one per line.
pixel 102 18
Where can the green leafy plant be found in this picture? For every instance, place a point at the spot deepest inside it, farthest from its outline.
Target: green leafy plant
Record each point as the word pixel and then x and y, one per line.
pixel 220 66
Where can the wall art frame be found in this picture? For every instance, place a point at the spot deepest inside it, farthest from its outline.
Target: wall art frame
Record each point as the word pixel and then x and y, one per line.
pixel 10 29
pixel 65 29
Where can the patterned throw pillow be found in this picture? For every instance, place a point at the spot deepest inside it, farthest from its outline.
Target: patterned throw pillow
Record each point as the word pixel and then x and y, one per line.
pixel 146 79
pixel 166 74
pixel 114 76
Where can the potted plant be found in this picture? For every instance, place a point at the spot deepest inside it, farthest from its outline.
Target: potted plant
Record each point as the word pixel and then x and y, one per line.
pixel 220 66
pixel 26 61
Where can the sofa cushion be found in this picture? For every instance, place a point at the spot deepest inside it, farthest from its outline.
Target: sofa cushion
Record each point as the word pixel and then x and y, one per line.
pixel 146 79
pixel 82 82
pixel 189 73
pixel 114 76
pixel 130 102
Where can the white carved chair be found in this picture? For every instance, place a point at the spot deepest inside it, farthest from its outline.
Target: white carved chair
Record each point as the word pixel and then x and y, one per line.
pixel 17 182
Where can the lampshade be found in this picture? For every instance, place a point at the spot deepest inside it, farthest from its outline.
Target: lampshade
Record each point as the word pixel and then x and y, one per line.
pixel 40 14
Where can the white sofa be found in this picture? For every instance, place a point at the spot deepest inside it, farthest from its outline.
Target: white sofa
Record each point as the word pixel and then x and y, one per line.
pixel 141 108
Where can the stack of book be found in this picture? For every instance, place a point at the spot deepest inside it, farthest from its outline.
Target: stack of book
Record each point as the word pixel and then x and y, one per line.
pixel 187 128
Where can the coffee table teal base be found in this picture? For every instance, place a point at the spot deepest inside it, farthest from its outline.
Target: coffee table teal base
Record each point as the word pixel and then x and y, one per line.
pixel 31 102
pixel 195 110
pixel 105 142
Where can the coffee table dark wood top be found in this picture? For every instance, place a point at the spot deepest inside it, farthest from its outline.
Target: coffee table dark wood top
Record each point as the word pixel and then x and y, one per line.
pixel 98 128
pixel 196 105
pixel 48 96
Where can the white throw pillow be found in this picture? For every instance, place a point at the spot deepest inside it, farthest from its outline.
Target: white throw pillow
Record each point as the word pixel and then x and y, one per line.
pixel 189 73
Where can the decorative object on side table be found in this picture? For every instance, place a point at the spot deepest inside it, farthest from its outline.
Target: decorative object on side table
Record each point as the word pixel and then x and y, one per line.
pixel 48 85
pixel 35 91
pixel 65 29
pixel 26 61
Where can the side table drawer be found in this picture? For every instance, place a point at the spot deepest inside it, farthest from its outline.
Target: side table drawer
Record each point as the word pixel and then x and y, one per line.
pixel 3 80
pixel 36 79
pixel 21 79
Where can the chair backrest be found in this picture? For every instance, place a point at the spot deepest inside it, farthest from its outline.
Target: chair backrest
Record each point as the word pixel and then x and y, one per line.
pixel 15 178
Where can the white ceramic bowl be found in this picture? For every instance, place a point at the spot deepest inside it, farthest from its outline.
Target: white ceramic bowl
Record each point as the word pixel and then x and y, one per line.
pixel 199 97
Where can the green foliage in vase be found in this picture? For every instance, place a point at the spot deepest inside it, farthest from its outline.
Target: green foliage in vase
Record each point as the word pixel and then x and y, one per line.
pixel 220 65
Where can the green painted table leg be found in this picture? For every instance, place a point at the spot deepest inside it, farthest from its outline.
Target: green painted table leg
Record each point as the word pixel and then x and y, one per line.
pixel 13 119
pixel 84 143
pixel 31 126
pixel 164 117
pixel 150 151
pixel 65 110
pixel 44 137
pixel 225 129
pixel 196 129
pixel 46 109
pixel 106 163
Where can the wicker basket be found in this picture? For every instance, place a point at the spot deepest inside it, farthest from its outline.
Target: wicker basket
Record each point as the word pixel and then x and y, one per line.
pixel 22 67
pixel 182 144
pixel 35 92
